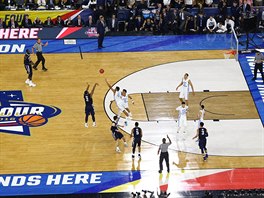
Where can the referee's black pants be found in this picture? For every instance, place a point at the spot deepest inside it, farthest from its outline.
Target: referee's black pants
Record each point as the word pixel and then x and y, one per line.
pixel 40 58
pixel 258 66
pixel 165 156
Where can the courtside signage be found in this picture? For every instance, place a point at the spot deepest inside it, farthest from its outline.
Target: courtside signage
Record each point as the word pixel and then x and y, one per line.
pixel 64 183
pixel 17 116
pixel 19 33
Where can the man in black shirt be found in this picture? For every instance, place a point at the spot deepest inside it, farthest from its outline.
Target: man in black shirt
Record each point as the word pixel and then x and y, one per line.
pixel 89 109
pixel 28 66
pixel 202 134
pixel 136 133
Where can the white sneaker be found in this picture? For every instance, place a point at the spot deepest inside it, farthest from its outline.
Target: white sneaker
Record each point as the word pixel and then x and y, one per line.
pixel 31 84
pixel 130 115
pixel 126 145
pixel 118 149
pixel 94 124
pixel 86 125
pixel 27 81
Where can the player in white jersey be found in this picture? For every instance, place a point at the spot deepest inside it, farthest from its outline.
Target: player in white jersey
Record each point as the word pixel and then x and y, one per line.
pixel 184 93
pixel 118 100
pixel 125 97
pixel 201 114
pixel 182 116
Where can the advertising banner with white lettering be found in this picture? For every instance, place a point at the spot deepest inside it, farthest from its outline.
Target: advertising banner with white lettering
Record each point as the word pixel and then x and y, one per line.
pixel 42 15
pixel 64 183
pixel 48 33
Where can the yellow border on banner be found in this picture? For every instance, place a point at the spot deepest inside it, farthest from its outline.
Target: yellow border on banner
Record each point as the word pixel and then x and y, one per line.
pixel 6 15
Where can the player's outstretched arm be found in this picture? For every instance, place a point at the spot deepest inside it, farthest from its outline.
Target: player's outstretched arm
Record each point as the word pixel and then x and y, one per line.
pixel 131 99
pixel 110 86
pixel 88 86
pixel 196 134
pixel 179 85
pixel 92 92
pixel 169 138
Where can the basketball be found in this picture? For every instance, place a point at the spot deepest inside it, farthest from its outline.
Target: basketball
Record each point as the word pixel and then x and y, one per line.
pixel 32 120
pixel 101 71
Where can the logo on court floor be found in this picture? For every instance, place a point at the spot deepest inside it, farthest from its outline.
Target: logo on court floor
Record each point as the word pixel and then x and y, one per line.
pixel 17 116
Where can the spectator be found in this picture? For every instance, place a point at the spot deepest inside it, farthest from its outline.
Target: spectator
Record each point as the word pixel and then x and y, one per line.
pixel 178 4
pixel 26 22
pixel 30 4
pixel 2 24
pixel 173 22
pixel 211 24
pixel 12 23
pixel 140 7
pixel 222 7
pixel 113 24
pixel 147 25
pixel 209 3
pixel 130 26
pixel 229 24
pixel 201 23
pixel 188 4
pixel 59 22
pixel 64 3
pixel 9 3
pixel 41 2
pixel 182 19
pixel 51 4
pixel 89 23
pixel 69 23
pixel 79 22
pixel 235 13
pixel 258 2
pixel 37 23
pixel 245 7
pixel 190 25
pixel 221 28
pixel 48 23
pixel 138 23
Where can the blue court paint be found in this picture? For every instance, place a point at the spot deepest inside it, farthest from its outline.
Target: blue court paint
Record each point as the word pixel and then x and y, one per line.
pixel 132 44
pixel 64 183
pixel 254 86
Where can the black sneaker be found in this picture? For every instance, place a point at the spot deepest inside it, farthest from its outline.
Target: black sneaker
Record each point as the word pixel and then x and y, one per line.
pixel 35 68
pixel 206 156
pixel 160 171
pixel 253 78
pixel 44 69
pixel 133 156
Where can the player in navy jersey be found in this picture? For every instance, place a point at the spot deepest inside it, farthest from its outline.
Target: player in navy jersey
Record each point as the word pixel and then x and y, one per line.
pixel 89 109
pixel 117 135
pixel 136 133
pixel 28 66
pixel 202 134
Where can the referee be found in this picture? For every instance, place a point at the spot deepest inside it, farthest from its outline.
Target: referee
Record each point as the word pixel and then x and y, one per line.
pixel 38 47
pixel 163 151
pixel 258 65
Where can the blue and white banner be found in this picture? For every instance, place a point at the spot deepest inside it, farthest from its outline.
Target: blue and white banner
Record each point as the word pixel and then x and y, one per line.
pixel 64 183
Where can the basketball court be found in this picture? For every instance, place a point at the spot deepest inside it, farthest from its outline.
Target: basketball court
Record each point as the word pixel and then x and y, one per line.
pixel 62 156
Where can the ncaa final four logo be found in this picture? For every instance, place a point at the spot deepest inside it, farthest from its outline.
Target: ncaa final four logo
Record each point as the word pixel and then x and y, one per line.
pixel 17 116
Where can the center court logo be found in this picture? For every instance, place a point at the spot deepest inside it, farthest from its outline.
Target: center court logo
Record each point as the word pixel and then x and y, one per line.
pixel 17 116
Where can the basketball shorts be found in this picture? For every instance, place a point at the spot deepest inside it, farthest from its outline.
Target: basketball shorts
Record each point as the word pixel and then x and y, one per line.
pixel 184 94
pixel 136 142
pixel 28 68
pixel 117 135
pixel 202 144
pixel 89 110
pixel 182 122
pixel 120 106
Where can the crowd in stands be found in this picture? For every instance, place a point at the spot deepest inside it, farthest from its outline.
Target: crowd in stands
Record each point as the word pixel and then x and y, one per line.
pixel 159 17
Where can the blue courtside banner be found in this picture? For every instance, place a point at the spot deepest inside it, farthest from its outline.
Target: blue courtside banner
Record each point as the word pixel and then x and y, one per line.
pixel 64 183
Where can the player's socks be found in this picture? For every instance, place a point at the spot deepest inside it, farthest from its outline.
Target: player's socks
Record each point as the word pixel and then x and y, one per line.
pixel 206 155
pixel 86 125
pixel 27 81
pixel 94 124
pixel 126 145
pixel 139 156
pixel 133 156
